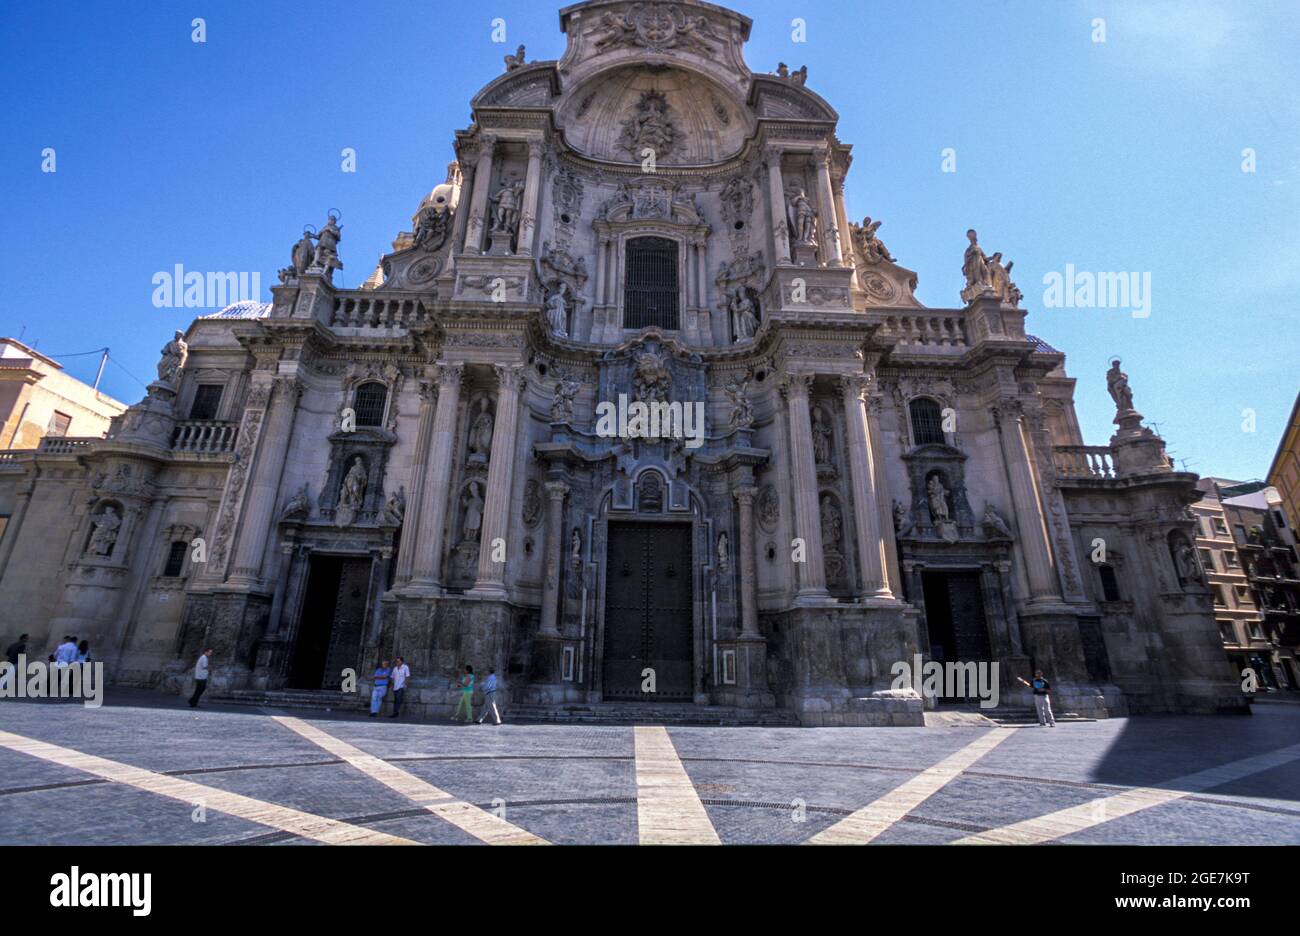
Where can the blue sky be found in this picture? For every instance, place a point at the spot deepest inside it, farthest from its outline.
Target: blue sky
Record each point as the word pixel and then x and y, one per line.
pixel 1117 156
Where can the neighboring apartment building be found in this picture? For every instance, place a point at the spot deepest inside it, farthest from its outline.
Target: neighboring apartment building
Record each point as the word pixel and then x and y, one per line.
pixel 1247 546
pixel 37 400
pixel 1284 473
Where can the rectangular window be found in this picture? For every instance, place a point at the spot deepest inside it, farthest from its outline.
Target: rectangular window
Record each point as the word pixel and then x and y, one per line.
pixel 567 667
pixel 1256 632
pixel 1241 533
pixel 1220 599
pixel 1230 558
pixel 207 397
pixel 175 559
pixel 59 424
pixel 1242 593
pixel 1207 560
pixel 1220 527
pixel 650 290
pixel 1226 630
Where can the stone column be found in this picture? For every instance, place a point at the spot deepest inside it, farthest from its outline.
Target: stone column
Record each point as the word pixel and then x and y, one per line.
pixel 828 223
pixel 556 492
pixel 1030 522
pixel 776 194
pixel 598 307
pixel 884 501
pixel 501 469
pixel 259 509
pixel 419 470
pixel 460 220
pixel 862 458
pixel 15 525
pixel 532 193
pixel 432 505
pixel 479 197
pixel 807 510
pixel 273 624
pixel 748 572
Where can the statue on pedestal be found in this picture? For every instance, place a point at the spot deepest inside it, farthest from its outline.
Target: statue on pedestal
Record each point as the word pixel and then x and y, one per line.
pixel 975 267
pixel 326 257
pixel 802 216
pixel 516 60
pixel 103 534
pixel 744 323
pixel 174 354
pixel 1117 384
pixel 473 514
pixel 505 207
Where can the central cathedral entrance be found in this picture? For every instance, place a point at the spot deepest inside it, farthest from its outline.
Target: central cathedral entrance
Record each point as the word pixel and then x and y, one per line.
pixel 648 612
pixel 332 622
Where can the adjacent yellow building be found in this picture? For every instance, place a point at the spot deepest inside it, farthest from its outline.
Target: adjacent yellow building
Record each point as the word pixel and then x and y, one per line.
pixel 37 399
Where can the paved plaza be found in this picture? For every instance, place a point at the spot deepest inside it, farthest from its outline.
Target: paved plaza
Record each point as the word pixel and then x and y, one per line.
pixel 145 769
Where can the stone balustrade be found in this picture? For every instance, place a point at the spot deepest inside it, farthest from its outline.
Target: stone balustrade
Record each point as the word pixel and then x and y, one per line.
pixel 66 445
pixel 364 309
pixel 1084 461
pixel 205 437
pixel 925 330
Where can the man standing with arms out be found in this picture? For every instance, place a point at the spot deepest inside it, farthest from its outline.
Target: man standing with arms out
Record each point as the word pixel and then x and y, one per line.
pixel 13 652
pixel 1042 699
pixel 379 687
pixel 466 703
pixel 401 673
pixel 201 672
pixel 490 697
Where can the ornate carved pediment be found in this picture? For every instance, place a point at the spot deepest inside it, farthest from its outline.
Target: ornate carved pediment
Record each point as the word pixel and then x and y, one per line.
pixel 774 98
pixel 534 85
pixel 655 27
pixel 652 198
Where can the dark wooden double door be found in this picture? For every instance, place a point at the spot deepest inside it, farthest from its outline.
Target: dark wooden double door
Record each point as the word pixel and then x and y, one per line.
pixel 649 613
pixel 954 614
pixel 332 624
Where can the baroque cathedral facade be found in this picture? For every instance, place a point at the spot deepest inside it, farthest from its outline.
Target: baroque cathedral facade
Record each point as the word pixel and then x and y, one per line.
pixel 414 467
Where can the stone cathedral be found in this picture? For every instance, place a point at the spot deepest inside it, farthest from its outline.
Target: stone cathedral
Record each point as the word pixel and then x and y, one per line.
pixel 416 468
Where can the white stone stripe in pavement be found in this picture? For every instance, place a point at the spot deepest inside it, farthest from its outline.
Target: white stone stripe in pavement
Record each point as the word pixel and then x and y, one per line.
pixel 483 825
pixel 873 819
pixel 1095 812
pixel 668 810
pixel 283 818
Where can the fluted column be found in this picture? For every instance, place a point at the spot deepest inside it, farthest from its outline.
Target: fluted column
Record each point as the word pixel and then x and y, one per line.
pixel 776 194
pixel 748 570
pixel 432 505
pixel 479 197
pixel 884 500
pixel 807 512
pixel 419 472
pixel 826 210
pixel 1030 521
pixel 862 457
pixel 460 220
pixel 556 492
pixel 532 193
pixel 259 510
pixel 501 471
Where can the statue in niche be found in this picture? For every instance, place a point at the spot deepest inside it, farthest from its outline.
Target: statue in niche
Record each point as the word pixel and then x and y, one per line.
pixel 744 323
pixel 832 524
pixel 821 436
pixel 174 355
pixel 742 411
pixel 724 551
pixel 531 510
pixel 297 507
pixel 1117 384
pixel 103 532
pixel 937 495
pixel 1000 278
pixel 473 514
pixel 993 521
pixel 557 311
pixel 562 404
pixel 802 216
pixel 353 493
pixel 870 246
pixel 326 257
pixel 516 60
pixel 650 493
pixel 575 548
pixel 1185 561
pixel 505 207
pixel 480 434
pixel 395 509
pixel 431 228
pixel 975 267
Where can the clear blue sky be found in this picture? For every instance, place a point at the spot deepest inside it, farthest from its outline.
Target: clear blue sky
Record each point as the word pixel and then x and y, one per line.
pixel 1117 156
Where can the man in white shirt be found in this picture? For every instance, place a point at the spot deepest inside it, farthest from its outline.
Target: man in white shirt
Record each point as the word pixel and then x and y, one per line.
pixel 490 698
pixel 201 672
pixel 401 673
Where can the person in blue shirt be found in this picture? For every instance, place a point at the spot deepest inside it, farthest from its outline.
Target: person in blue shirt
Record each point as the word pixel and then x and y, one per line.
pixel 490 697
pixel 380 687
pixel 1042 698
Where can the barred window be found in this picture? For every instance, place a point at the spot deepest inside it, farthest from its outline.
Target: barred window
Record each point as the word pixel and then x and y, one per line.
pixel 650 291
pixel 207 397
pixel 927 422
pixel 175 559
pixel 369 405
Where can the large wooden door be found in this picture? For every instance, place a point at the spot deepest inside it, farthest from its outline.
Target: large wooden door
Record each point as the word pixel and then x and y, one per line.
pixel 332 625
pixel 648 612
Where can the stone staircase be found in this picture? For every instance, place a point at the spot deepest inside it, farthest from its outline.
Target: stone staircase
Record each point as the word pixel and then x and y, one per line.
pixel 643 713
pixel 1008 716
pixel 319 700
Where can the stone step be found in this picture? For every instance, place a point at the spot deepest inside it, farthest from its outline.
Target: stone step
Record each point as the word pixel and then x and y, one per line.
pixel 321 700
pixel 632 713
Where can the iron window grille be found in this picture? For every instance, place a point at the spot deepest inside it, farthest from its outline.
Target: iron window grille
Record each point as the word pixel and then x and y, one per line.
pixel 927 422
pixel 369 404
pixel 650 290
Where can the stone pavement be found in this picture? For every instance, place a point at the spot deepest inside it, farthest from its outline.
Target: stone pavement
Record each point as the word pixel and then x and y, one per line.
pixel 145 769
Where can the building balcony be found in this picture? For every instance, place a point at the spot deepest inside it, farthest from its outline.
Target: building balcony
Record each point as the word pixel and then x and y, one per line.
pixel 205 437
pixel 1084 462
pixel 362 308
pixel 66 445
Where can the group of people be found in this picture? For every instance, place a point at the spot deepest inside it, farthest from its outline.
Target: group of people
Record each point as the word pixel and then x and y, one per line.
pixel 397 675
pixel 70 652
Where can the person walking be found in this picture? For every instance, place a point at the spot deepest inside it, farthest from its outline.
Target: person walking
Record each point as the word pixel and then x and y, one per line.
pixel 12 653
pixel 202 669
pixel 1042 698
pixel 466 703
pixel 401 673
pixel 379 687
pixel 490 697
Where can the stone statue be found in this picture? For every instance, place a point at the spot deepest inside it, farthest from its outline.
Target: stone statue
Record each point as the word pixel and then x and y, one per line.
pixel 103 533
pixel 742 411
pixel 297 507
pixel 575 547
pixel 801 76
pixel 1117 384
pixel 303 253
pixel 993 521
pixel 782 70
pixel 562 404
pixel 505 207
pixel 938 498
pixel 822 434
pixel 327 248
pixel 173 358
pixel 473 513
pixel 724 551
pixel 902 526
pixel 744 323
pixel 975 267
pixel 395 509
pixel 557 311
pixel 1000 278
pixel 649 127
pixel 802 216
pixel 651 381
pixel 872 249
pixel 832 524
pixel 1189 569
pixel 480 434
pixel 431 228
pixel 516 60
pixel 353 492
